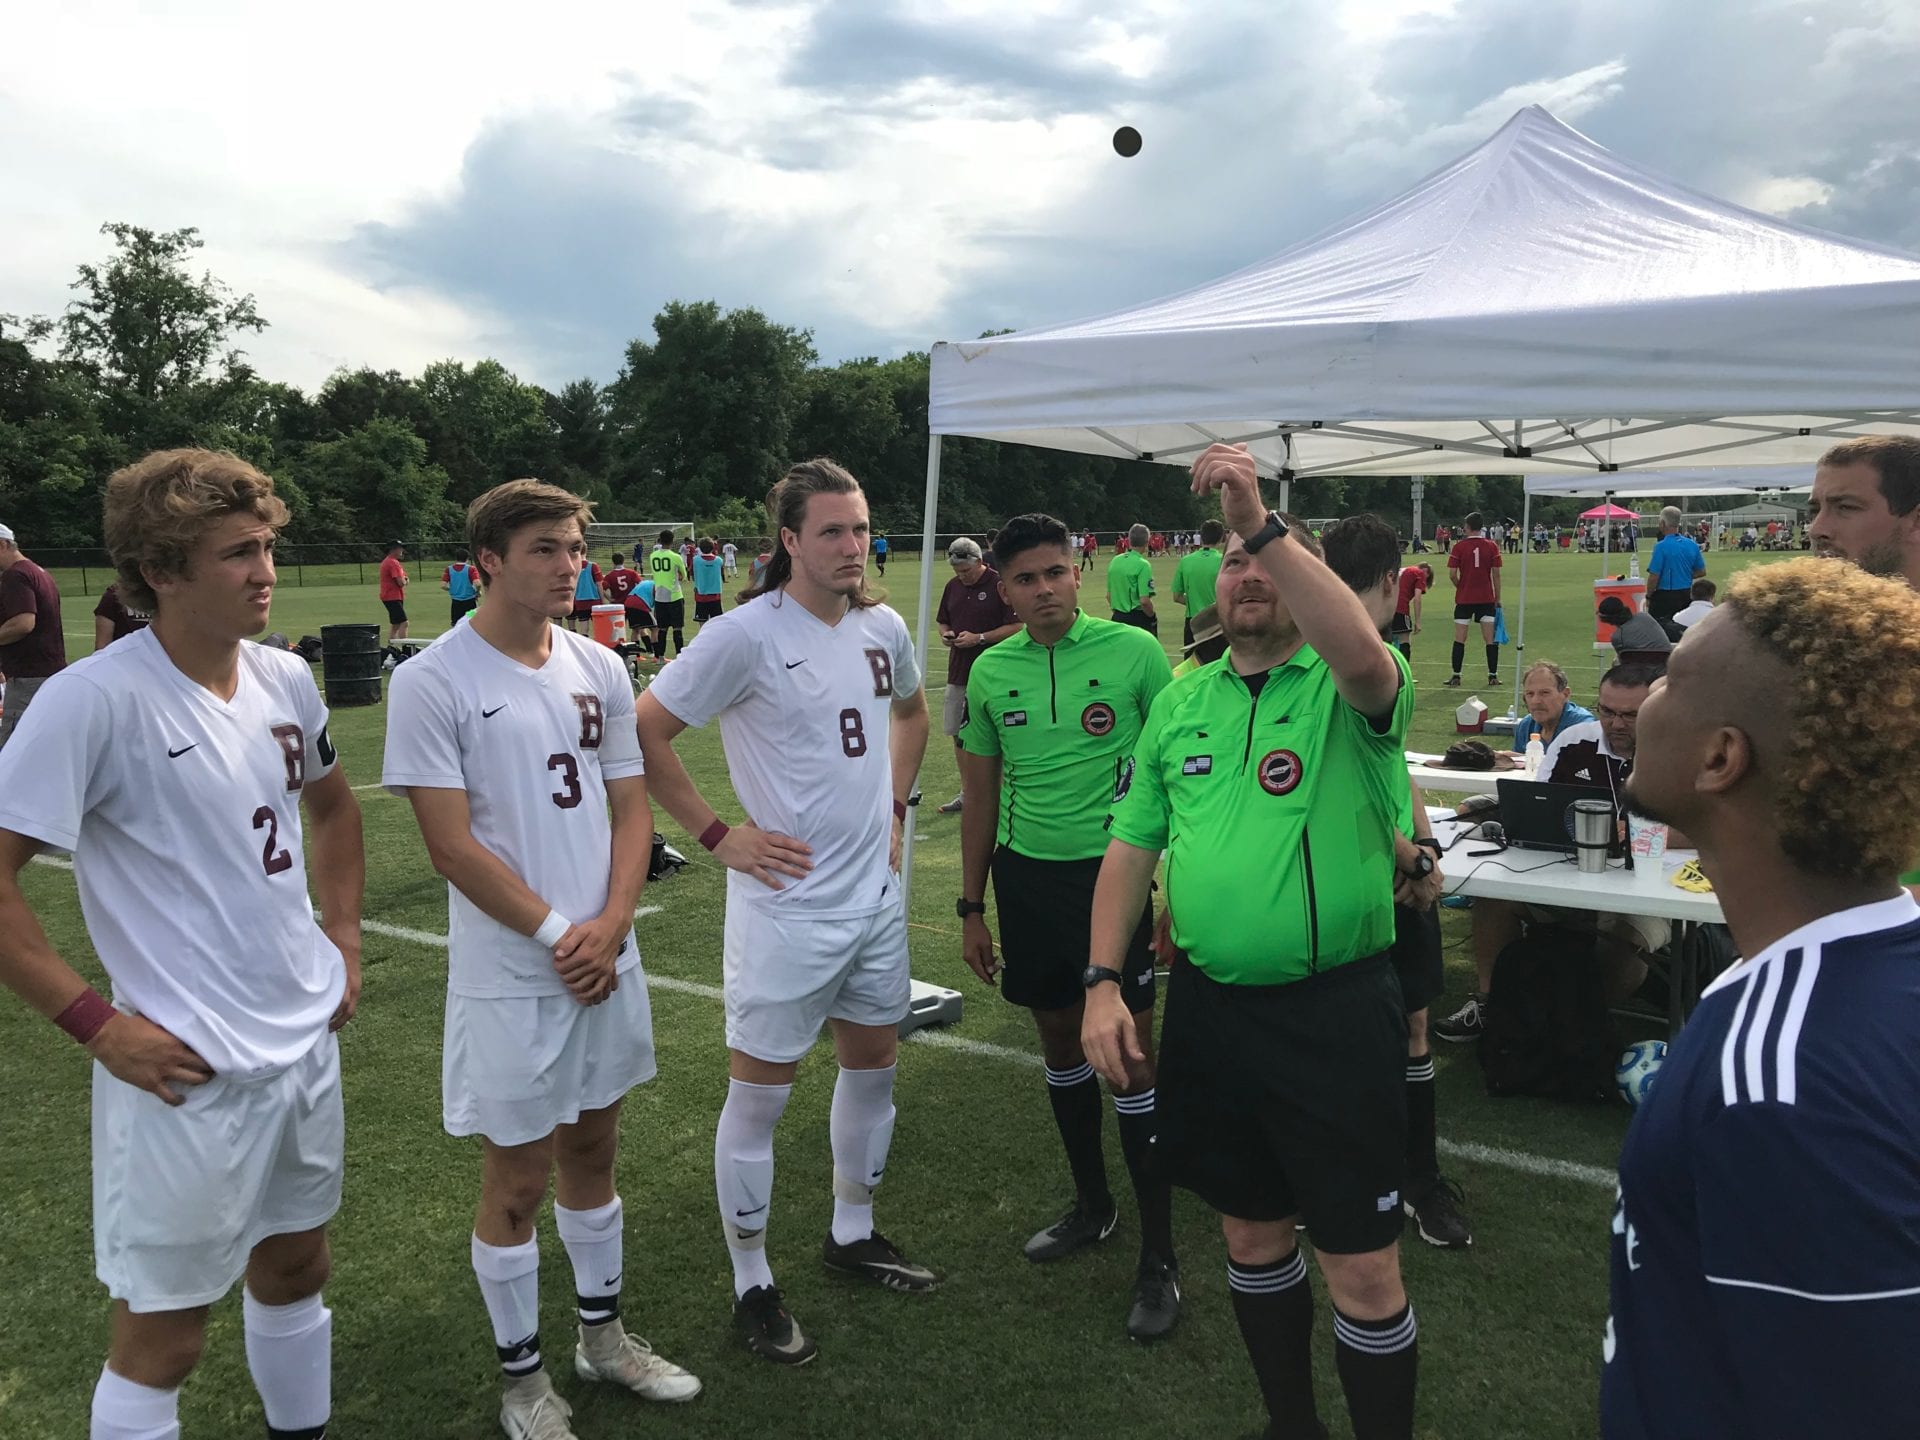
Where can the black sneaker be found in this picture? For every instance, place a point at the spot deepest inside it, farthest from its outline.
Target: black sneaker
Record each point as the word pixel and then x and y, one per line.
pixel 1469 1022
pixel 1156 1299
pixel 1437 1215
pixel 1078 1228
pixel 1453 682
pixel 878 1259
pixel 761 1317
pixel 1493 679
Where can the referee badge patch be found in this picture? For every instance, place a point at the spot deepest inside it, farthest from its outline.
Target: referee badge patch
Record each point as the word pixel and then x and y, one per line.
pixel 1279 772
pixel 1197 765
pixel 1098 719
pixel 1013 718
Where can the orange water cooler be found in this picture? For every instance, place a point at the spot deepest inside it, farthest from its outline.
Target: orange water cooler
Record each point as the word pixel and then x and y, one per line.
pixel 610 625
pixel 1632 592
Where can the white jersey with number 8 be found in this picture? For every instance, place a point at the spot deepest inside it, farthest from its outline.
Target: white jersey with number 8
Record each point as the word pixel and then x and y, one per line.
pixel 805 709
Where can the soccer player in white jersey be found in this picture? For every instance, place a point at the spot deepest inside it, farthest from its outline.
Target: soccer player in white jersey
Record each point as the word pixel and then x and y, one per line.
pixel 824 723
pixel 1765 1258
pixel 513 738
pixel 174 766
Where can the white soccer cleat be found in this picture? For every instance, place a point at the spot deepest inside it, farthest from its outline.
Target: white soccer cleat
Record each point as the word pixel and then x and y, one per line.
pixel 628 1360
pixel 531 1411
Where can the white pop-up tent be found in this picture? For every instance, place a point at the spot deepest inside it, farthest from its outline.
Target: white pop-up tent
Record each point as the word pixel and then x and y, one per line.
pixel 1539 306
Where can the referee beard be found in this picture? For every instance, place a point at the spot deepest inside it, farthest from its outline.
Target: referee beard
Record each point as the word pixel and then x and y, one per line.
pixel 1281 1054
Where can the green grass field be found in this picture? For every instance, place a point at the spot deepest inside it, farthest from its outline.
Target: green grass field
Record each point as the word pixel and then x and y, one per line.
pixel 1510 1332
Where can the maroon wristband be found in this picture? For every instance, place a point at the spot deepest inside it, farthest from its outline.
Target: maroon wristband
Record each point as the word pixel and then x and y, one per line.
pixel 84 1017
pixel 711 837
pixel 899 810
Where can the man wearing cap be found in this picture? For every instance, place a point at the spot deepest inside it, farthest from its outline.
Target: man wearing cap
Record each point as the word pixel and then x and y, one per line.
pixel 32 645
pixel 1634 632
pixel 1052 717
pixel 1675 564
pixel 973 614
pixel 1130 583
pixel 1272 781
pixel 1209 642
pixel 393 591
pixel 1194 576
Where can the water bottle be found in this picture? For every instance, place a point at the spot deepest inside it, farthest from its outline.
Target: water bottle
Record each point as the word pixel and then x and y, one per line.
pixel 1536 753
pixel 1633 566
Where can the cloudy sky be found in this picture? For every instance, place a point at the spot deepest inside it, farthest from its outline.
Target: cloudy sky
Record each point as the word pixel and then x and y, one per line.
pixel 403 181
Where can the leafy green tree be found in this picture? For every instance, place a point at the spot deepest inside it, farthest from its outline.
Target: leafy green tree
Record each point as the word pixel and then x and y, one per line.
pixel 54 452
pixel 483 426
pixel 381 477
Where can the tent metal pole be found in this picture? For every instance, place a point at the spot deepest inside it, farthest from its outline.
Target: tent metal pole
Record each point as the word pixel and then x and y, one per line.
pixel 930 511
pixel 1520 634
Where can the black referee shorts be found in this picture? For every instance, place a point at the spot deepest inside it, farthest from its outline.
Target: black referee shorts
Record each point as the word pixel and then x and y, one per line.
pixel 1139 619
pixel 1278 1101
pixel 1416 956
pixel 1046 919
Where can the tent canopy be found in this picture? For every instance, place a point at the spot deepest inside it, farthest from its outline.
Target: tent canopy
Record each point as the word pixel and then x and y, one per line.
pixel 1656 484
pixel 1608 512
pixel 1540 305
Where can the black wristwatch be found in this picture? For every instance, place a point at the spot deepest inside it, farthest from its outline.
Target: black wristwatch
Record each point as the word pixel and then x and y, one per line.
pixel 1097 974
pixel 1422 865
pixel 1427 842
pixel 1274 529
pixel 964 907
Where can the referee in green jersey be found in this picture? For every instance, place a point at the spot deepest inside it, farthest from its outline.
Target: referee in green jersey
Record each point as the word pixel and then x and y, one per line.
pixel 1052 716
pixel 1195 576
pixel 1271 779
pixel 1130 583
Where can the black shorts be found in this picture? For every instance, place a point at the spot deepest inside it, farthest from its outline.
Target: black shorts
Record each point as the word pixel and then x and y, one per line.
pixel 1046 911
pixel 1416 956
pixel 1402 624
pixel 706 609
pixel 1138 619
pixel 461 607
pixel 669 614
pixel 583 609
pixel 1474 612
pixel 396 612
pixel 1278 1101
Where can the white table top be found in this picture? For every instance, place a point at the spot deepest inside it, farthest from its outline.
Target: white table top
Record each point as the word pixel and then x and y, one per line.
pixel 1538 877
pixel 1460 782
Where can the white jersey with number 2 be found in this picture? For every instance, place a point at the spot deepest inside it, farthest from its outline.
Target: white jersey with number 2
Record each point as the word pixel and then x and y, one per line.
pixel 805 710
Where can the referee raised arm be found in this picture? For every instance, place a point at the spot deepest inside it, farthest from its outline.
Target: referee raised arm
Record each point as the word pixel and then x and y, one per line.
pixel 1271 780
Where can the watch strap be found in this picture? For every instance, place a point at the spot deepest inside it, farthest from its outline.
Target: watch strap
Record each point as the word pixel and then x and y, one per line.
pixel 1274 529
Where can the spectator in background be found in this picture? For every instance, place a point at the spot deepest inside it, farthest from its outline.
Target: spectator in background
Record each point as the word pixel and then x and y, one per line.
pixel 1635 632
pixel 114 619
pixel 1089 550
pixel 1702 606
pixel 32 645
pixel 627 587
pixel 707 582
pixel 1675 564
pixel 880 549
pixel 1548 696
pixel 973 614
pixel 1414 583
pixel 587 593
pixel 393 591
pixel 462 584
pixel 730 559
pixel 1474 567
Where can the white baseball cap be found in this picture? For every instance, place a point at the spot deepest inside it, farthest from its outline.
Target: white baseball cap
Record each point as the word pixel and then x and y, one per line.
pixel 6 533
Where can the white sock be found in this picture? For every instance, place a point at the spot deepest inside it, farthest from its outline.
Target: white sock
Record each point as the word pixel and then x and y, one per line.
pixel 509 1278
pixel 290 1354
pixel 596 1247
pixel 862 1132
pixel 123 1409
pixel 743 1176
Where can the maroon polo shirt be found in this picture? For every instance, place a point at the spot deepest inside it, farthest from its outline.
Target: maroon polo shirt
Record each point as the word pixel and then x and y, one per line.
pixel 115 612
pixel 26 589
pixel 976 607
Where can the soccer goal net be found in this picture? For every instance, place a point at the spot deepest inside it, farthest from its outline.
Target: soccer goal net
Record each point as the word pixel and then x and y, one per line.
pixel 633 537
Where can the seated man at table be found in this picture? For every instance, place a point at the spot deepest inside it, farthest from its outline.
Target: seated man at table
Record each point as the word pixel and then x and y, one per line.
pixel 1596 753
pixel 1635 632
pixel 1701 605
pixel 1548 696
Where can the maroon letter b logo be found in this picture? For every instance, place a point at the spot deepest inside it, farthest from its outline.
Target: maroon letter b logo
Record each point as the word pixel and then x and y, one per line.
pixel 881 664
pixel 593 721
pixel 293 745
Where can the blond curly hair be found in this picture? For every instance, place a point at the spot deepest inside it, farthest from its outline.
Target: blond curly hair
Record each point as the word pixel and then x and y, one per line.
pixel 1848 797
pixel 159 507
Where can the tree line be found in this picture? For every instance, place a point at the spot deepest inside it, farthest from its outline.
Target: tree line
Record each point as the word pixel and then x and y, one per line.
pixel 702 416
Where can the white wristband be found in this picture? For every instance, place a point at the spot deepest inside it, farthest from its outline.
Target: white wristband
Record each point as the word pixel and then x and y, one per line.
pixel 552 928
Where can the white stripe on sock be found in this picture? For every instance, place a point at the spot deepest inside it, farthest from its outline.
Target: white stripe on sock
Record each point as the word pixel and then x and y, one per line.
pixel 1065 1078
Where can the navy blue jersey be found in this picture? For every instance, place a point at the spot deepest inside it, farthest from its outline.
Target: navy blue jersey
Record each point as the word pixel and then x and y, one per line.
pixel 1766 1244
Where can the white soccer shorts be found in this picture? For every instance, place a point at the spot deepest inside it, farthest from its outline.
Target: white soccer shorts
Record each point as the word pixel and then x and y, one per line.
pixel 513 1069
pixel 182 1194
pixel 785 978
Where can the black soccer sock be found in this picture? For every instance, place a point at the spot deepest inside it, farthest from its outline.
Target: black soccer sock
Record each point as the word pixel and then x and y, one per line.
pixel 1378 1360
pixel 1459 655
pixel 680 640
pixel 1274 1305
pixel 1423 1160
pixel 1152 1191
pixel 1075 1095
pixel 1493 659
pixel 1406 649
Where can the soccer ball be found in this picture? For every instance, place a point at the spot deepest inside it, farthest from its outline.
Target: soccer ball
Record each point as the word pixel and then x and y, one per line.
pixel 1638 1065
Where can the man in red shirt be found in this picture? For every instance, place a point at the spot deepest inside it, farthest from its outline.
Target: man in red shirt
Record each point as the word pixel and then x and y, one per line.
pixel 1089 547
pixel 32 645
pixel 1415 581
pixel 622 584
pixel 973 614
pixel 393 592
pixel 1474 566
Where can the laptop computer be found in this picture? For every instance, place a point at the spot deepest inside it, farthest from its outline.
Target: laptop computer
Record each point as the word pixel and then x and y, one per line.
pixel 1538 816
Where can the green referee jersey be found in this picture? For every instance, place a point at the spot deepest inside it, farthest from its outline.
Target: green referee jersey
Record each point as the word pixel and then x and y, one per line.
pixel 1064 720
pixel 1196 576
pixel 1129 581
pixel 668 571
pixel 1277 816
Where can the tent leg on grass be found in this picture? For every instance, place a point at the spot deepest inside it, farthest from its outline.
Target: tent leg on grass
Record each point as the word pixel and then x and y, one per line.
pixel 930 511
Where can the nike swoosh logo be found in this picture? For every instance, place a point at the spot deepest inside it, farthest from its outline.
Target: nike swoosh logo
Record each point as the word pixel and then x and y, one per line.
pixel 489 714
pixel 795 664
pixel 614 1283
pixel 176 754
pixel 742 1214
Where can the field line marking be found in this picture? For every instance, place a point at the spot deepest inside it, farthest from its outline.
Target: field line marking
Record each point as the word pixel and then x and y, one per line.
pixel 54 860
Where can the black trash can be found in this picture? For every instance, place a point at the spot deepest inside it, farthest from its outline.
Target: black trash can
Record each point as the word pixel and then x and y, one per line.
pixel 350 659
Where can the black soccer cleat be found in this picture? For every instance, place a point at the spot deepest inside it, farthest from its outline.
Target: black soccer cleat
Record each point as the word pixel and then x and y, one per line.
pixel 878 1259
pixel 1453 682
pixel 1437 1214
pixel 760 1316
pixel 1156 1299
pixel 1080 1227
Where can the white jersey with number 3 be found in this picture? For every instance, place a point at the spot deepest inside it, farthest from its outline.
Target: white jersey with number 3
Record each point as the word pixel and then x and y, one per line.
pixel 805 710
pixel 533 749
pixel 183 814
